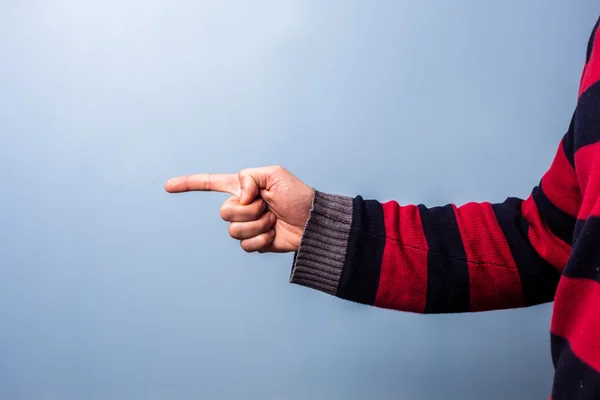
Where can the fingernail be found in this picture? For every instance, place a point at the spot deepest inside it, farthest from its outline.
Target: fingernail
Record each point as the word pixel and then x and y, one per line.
pixel 272 232
pixel 272 218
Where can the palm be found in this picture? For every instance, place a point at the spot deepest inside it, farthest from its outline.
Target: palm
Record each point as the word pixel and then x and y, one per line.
pixel 287 237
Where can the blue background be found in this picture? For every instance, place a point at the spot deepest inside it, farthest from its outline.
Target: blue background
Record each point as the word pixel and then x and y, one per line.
pixel 112 289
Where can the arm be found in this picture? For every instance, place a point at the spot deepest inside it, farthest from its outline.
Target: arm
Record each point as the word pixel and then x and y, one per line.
pixel 476 257
pixel 479 256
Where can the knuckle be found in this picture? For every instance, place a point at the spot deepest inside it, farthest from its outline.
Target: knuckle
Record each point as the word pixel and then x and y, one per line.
pixel 278 168
pixel 242 173
pixel 227 209
pixel 225 212
pixel 233 231
pixel 246 247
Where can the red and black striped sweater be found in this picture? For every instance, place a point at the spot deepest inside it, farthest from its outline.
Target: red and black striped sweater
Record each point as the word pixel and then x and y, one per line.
pixel 482 256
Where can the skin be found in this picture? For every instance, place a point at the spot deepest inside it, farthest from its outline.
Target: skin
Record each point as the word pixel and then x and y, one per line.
pixel 267 211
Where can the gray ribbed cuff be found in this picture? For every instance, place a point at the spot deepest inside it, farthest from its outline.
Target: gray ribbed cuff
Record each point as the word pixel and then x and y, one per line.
pixel 319 261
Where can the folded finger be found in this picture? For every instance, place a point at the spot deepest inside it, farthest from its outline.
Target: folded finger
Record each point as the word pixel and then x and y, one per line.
pixel 233 211
pixel 260 243
pixel 247 230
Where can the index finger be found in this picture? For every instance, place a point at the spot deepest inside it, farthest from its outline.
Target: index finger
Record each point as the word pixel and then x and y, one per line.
pixel 227 183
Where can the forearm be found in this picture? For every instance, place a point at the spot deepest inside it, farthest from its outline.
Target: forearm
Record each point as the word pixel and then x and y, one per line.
pixel 427 260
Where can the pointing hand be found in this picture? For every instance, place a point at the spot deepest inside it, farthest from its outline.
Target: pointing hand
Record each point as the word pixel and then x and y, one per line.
pixel 268 208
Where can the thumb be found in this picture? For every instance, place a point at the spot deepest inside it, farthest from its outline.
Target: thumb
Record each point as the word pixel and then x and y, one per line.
pixel 249 186
pixel 252 180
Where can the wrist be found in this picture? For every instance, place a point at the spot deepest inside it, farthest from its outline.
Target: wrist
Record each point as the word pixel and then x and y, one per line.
pixel 320 256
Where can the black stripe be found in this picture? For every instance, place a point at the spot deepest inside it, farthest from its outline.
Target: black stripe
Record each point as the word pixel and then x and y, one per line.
pixel 360 276
pixel 568 142
pixel 590 45
pixel 539 279
pixel 574 379
pixel 579 224
pixel 585 256
pixel 559 222
pixel 587 118
pixel 447 270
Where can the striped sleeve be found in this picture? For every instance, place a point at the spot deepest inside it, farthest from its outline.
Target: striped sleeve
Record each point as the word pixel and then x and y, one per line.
pixel 482 256
pixel 448 259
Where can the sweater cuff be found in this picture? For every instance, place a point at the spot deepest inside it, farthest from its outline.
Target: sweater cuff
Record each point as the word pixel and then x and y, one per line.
pixel 320 258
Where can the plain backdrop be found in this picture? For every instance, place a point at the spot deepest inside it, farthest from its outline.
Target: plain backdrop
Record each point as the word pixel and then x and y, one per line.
pixel 112 289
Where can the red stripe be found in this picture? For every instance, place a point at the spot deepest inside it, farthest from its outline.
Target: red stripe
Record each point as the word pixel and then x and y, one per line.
pixel 560 184
pixel 576 317
pixel 587 163
pixel 403 277
pixel 549 247
pixel 493 275
pixel 591 71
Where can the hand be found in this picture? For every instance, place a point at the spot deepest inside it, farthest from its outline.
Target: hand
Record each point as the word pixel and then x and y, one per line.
pixel 268 210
